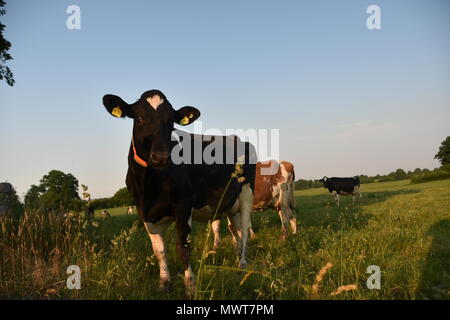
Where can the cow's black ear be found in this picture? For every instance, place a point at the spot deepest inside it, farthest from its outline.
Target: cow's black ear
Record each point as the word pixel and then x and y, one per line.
pixel 116 106
pixel 186 115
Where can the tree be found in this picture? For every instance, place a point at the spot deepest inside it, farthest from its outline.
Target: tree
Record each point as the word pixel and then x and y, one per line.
pixel 123 198
pixel 31 199
pixel 9 201
pixel 56 191
pixel 400 174
pixel 443 154
pixel 59 190
pixel 5 72
pixel 16 205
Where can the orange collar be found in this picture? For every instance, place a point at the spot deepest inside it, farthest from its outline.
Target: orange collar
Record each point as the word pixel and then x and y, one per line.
pixel 138 159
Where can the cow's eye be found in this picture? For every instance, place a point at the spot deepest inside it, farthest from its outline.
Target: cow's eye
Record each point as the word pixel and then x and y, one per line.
pixel 139 119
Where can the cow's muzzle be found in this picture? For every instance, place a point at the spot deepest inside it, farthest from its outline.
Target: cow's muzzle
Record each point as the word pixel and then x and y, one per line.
pixel 159 159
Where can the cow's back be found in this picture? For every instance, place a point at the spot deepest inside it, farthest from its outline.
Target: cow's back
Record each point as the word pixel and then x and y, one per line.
pixel 209 181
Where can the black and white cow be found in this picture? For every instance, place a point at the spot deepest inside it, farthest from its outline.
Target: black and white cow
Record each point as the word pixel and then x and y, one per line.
pixel 342 186
pixel 169 191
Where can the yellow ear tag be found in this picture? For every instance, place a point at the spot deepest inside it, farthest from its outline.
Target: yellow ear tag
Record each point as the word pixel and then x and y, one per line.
pixel 191 115
pixel 184 121
pixel 117 112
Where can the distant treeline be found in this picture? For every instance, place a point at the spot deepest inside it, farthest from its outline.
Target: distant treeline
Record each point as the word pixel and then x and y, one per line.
pixel 416 176
pixel 121 198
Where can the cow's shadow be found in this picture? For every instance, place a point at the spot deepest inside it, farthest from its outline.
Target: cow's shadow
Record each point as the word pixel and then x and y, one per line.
pixel 320 212
pixel 322 209
pixel 435 277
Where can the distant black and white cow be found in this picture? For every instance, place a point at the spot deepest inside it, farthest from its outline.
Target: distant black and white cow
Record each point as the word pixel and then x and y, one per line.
pixel 342 186
pixel 167 190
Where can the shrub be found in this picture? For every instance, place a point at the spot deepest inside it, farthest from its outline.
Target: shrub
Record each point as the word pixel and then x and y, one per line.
pixel 440 174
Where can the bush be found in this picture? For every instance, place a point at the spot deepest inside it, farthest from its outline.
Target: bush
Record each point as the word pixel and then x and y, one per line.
pixel 123 198
pixel 440 174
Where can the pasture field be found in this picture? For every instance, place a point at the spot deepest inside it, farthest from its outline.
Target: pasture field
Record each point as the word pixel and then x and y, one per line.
pixel 403 228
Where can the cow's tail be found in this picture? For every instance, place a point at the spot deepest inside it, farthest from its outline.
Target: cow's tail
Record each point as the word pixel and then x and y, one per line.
pixel 292 196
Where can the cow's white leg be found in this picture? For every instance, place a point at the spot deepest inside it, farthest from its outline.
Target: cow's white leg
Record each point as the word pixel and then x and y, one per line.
pixel 353 198
pixel 155 232
pixel 286 213
pixel 245 206
pixel 284 224
pixel 215 226
pixel 250 230
pixel 183 225
pixel 189 281
pixel 337 199
pixel 293 222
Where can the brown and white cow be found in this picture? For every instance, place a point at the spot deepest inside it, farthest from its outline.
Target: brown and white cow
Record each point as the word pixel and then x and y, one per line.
pixel 272 191
pixel 276 191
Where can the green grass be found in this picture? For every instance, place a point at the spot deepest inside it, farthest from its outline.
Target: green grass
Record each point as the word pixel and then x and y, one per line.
pixel 401 227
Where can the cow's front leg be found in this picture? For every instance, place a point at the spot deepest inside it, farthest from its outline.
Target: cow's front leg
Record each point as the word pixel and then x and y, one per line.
pixel 245 205
pixel 184 223
pixel 284 224
pixel 234 226
pixel 336 195
pixel 250 230
pixel 155 232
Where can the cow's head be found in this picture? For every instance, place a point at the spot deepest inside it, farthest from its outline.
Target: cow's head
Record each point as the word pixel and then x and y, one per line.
pixel 324 180
pixel 153 118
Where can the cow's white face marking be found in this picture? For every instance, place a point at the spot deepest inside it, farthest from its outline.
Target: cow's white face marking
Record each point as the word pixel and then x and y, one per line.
pixel 155 101
pixel 325 179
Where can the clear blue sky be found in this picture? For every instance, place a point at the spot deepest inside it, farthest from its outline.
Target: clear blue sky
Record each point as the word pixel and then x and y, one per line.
pixel 347 100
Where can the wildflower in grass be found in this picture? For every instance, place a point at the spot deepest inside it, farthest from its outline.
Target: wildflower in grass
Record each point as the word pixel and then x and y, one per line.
pixel 341 289
pixel 319 277
pixel 247 275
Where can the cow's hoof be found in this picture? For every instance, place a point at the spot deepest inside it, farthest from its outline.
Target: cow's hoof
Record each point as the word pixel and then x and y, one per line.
pixel 243 264
pixel 164 285
pixel 190 290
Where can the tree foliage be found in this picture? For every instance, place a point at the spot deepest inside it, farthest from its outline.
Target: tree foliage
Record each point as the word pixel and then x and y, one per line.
pixel 56 191
pixel 5 45
pixel 443 154
pixel 11 202
pixel 123 197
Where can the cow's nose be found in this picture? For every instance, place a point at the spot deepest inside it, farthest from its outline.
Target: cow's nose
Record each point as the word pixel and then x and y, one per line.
pixel 159 158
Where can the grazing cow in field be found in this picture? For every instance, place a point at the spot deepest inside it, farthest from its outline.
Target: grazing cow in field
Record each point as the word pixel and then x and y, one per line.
pixel 105 213
pixel 277 191
pixel 168 190
pixel 342 186
pixel 272 191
